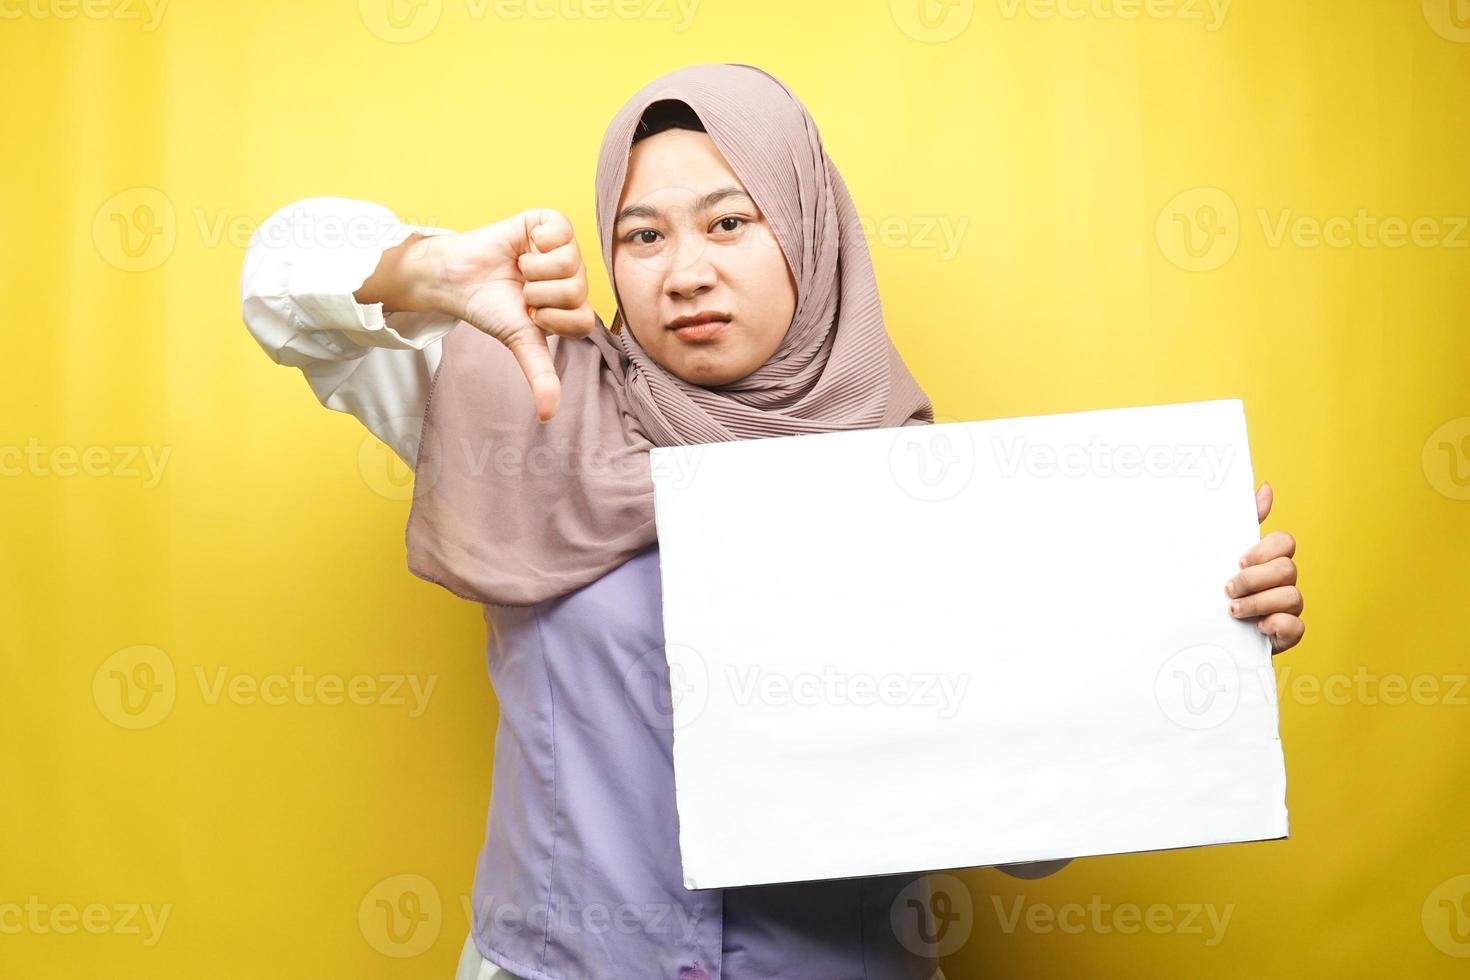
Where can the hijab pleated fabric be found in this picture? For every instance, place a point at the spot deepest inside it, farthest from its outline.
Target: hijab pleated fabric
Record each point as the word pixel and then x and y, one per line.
pixel 510 511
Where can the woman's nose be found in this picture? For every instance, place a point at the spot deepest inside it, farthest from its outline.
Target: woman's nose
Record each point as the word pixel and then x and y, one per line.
pixel 692 272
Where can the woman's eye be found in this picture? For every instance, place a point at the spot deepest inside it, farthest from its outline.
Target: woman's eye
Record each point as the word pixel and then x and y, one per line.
pixel 633 237
pixel 739 221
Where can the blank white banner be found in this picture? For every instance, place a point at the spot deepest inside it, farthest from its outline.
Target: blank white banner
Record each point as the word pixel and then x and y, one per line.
pixel 964 644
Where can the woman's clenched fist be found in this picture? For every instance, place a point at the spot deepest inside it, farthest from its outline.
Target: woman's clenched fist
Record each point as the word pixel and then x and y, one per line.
pixel 518 280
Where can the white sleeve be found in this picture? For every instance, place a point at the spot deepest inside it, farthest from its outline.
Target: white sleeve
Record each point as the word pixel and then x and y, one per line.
pixel 301 268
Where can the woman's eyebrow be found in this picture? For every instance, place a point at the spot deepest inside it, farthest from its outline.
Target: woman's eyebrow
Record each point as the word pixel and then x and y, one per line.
pixel 708 201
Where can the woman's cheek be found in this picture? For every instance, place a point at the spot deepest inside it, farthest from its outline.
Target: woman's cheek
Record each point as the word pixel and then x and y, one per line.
pixel 640 305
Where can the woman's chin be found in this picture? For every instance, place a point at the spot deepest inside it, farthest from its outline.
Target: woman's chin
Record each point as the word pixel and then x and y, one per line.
pixel 709 369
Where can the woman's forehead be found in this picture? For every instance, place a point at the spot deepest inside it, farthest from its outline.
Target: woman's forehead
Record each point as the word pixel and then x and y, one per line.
pixel 677 169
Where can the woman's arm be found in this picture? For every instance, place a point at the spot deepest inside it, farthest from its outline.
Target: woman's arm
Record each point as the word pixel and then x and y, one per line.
pixel 409 279
pixel 360 303
pixel 297 284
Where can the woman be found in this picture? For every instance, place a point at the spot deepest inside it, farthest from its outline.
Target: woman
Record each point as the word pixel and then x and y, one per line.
pixel 746 308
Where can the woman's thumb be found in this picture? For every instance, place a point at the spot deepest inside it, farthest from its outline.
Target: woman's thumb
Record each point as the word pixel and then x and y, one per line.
pixel 534 356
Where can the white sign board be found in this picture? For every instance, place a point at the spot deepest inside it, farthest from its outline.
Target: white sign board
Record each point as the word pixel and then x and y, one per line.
pixel 964 644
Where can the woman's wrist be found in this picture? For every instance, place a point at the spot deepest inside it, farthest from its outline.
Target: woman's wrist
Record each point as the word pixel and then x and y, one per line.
pixel 410 278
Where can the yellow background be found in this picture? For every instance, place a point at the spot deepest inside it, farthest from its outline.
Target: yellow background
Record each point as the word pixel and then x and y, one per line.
pixel 1073 150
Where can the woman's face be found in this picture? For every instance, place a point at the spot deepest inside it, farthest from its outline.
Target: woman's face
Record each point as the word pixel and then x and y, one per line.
pixel 689 240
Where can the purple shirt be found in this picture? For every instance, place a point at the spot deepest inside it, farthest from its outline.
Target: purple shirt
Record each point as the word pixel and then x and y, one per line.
pixel 579 877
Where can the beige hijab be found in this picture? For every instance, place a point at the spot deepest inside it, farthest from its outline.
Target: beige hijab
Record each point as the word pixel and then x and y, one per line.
pixel 510 511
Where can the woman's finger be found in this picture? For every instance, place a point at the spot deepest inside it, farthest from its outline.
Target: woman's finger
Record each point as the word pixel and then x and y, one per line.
pixel 1284 629
pixel 562 294
pixel 559 263
pixel 1277 571
pixel 569 323
pixel 1283 598
pixel 1273 545
pixel 534 356
pixel 547 228
pixel 1264 497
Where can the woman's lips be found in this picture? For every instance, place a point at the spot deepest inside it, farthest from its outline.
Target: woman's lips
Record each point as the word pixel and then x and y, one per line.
pixel 707 330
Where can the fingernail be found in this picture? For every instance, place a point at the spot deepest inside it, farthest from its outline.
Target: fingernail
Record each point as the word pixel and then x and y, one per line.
pixel 1232 609
pixel 1262 626
pixel 1230 588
